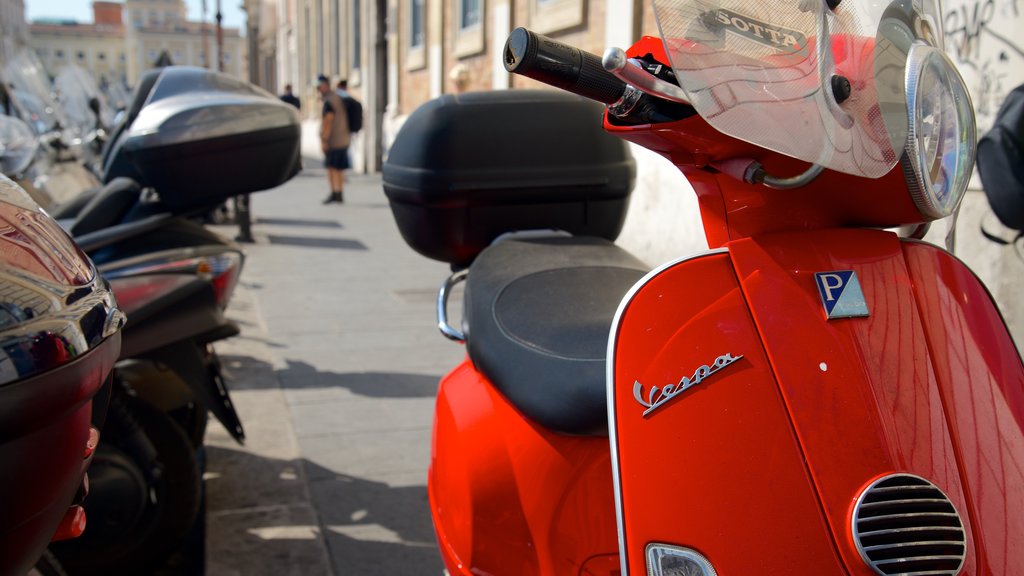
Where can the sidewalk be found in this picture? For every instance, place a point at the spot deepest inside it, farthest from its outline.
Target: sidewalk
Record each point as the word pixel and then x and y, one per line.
pixel 334 376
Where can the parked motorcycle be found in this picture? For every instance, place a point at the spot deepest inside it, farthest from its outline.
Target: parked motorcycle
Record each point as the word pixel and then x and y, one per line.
pixel 86 109
pixel 814 395
pixel 59 339
pixel 59 172
pixel 147 492
pixel 174 279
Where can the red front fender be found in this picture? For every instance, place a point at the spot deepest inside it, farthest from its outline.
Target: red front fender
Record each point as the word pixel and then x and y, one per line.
pixel 759 465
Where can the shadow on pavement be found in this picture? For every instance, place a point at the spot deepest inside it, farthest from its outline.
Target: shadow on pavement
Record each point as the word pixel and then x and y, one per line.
pixel 374 528
pixel 299 222
pixel 248 373
pixel 314 242
pixel 300 375
pixel 261 524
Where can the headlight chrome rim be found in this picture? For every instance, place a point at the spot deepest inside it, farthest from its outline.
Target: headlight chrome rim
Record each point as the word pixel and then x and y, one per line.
pixel 924 60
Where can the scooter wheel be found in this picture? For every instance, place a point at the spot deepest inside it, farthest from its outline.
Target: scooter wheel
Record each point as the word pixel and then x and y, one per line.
pixel 171 509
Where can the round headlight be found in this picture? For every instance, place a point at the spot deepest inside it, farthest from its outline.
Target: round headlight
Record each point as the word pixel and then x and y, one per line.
pixel 942 139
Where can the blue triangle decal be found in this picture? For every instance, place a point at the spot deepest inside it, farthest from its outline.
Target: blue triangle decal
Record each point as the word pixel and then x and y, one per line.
pixel 841 294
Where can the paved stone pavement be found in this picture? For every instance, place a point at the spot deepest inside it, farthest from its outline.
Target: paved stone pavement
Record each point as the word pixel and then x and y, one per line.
pixel 334 376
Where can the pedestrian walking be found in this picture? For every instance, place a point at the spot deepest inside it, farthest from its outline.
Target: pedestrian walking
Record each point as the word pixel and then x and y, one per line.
pixel 334 139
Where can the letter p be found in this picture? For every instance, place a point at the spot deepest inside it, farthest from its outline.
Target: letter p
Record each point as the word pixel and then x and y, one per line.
pixel 830 282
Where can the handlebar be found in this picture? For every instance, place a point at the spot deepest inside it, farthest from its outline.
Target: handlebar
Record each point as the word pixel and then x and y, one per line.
pixel 541 58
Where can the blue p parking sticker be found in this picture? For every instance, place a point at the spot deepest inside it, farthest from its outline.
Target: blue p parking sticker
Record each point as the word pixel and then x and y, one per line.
pixel 841 294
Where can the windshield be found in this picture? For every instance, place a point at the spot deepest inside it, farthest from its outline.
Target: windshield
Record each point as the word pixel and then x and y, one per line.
pixel 756 70
pixel 77 91
pixel 32 92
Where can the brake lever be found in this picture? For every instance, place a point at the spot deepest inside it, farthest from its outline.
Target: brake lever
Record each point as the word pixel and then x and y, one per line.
pixel 616 62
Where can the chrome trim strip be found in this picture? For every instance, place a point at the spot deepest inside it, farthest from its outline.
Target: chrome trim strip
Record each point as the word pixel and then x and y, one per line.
pixel 613 439
pixel 912 515
pixel 913 544
pixel 912 529
pixel 442 306
pixel 903 501
pixel 902 489
pixel 898 561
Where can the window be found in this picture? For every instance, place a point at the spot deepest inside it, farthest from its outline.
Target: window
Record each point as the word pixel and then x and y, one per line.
pixel 469 27
pixel 101 56
pixel 320 49
pixel 416 40
pixel 550 16
pixel 357 37
pixel 80 55
pixel 417 32
pixel 335 60
pixel 469 13
pixel 60 53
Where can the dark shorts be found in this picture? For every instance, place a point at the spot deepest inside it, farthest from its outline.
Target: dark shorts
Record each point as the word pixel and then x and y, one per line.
pixel 337 158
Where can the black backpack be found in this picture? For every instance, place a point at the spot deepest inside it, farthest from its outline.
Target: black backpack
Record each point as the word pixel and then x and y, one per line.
pixel 354 111
pixel 1001 161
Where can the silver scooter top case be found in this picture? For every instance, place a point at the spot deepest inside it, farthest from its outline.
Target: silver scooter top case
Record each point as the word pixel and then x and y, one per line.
pixel 202 137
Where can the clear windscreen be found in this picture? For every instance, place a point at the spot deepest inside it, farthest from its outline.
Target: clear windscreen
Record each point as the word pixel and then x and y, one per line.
pixel 32 92
pixel 76 88
pixel 762 71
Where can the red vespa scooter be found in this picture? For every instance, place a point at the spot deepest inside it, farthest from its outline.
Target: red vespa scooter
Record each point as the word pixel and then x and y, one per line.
pixel 815 395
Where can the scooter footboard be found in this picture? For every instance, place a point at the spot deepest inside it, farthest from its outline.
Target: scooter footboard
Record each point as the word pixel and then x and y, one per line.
pixel 507 496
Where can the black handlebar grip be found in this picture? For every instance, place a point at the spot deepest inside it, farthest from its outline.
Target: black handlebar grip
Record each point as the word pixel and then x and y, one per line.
pixel 560 65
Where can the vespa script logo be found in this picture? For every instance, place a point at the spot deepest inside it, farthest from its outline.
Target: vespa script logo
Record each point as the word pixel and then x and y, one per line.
pixel 657 397
pixel 765 33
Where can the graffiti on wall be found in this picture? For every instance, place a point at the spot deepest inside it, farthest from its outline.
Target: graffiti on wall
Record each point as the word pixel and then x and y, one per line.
pixel 983 39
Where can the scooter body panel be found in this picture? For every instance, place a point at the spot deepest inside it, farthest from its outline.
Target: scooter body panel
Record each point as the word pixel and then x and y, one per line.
pixel 861 391
pixel 508 496
pixel 713 465
pixel 981 381
pixel 903 389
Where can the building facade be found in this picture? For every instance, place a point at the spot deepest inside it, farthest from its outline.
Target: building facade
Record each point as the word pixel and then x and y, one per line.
pixel 13 28
pixel 125 40
pixel 98 47
pixel 397 54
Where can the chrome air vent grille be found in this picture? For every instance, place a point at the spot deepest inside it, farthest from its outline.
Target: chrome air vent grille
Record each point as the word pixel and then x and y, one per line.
pixel 904 524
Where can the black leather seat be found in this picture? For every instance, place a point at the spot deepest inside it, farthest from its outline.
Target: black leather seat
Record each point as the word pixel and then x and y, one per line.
pixel 105 207
pixel 538 315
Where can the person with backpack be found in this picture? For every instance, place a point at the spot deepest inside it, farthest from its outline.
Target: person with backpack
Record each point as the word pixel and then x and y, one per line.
pixel 1001 163
pixel 353 107
pixel 335 137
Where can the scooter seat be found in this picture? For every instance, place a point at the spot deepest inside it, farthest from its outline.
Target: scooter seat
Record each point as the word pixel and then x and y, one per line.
pixel 105 207
pixel 538 314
